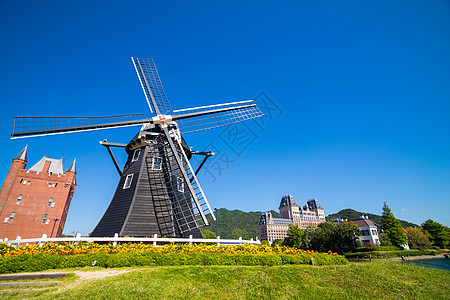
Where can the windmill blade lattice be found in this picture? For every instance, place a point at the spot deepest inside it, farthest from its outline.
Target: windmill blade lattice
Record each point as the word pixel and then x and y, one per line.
pixel 226 114
pixel 152 86
pixel 33 126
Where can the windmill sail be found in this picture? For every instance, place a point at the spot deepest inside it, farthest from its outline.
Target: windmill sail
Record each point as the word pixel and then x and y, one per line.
pixel 213 116
pixel 152 86
pixel 193 189
pixel 33 126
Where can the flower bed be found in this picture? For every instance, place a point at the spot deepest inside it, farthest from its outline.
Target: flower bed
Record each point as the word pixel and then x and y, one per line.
pixel 52 256
pixel 85 248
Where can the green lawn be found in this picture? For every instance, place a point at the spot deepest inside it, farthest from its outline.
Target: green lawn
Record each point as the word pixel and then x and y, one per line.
pixel 377 280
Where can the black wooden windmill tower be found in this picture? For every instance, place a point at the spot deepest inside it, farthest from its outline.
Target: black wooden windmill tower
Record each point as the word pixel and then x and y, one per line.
pixel 158 191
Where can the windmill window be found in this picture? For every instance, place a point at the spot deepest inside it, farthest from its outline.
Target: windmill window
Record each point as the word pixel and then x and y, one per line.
pixel 156 163
pixel 50 202
pixel 19 198
pixel 136 155
pixel 44 220
pixel 180 184
pixel 128 181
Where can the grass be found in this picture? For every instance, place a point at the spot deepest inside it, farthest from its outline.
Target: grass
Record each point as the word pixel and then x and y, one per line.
pixel 378 280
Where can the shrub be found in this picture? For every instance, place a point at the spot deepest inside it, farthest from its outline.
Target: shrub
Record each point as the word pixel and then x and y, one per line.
pixel 40 262
pixel 387 254
pixel 377 248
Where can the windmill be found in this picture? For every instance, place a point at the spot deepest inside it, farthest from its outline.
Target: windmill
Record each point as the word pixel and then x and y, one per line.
pixel 158 191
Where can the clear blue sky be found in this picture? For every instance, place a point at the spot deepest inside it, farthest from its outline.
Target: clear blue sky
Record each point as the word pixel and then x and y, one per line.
pixel 362 91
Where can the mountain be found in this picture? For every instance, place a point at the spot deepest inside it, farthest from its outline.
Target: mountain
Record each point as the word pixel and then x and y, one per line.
pixel 233 224
pixel 351 214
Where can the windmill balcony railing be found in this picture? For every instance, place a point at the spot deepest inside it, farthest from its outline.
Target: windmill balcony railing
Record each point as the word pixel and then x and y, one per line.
pixel 116 239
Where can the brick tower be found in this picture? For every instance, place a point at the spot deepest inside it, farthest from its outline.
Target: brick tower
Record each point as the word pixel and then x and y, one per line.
pixel 34 202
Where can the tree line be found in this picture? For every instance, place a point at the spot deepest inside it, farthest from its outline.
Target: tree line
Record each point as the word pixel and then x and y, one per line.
pixel 343 237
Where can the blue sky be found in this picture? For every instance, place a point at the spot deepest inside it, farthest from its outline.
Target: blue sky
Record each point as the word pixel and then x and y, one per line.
pixel 360 92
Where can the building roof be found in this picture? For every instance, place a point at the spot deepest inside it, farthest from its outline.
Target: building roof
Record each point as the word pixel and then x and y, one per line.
pixel 23 154
pixel 314 204
pixel 287 200
pixel 364 223
pixel 265 217
pixel 56 165
pixel 72 167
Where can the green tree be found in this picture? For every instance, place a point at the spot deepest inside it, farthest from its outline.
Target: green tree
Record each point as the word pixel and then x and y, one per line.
pixel 239 232
pixel 384 240
pixel 437 233
pixel 309 235
pixel 418 238
pixel 392 229
pixel 447 233
pixel 265 243
pixel 340 237
pixel 278 242
pixel 296 237
pixel 346 237
pixel 324 237
pixel 208 234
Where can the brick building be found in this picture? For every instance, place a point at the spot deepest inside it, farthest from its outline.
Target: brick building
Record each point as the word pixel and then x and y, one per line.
pixel 34 202
pixel 271 228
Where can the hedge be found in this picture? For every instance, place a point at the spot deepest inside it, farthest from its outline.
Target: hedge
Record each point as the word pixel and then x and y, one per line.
pixel 377 248
pixel 41 262
pixel 388 254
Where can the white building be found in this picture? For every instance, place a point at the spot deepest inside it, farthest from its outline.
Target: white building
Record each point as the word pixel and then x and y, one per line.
pixel 369 231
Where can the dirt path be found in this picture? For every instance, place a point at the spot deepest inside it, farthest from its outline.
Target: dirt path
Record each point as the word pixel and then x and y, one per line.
pixel 99 274
pixel 85 276
pixel 416 257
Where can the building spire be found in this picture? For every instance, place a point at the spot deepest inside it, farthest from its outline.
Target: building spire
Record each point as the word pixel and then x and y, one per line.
pixel 23 154
pixel 72 167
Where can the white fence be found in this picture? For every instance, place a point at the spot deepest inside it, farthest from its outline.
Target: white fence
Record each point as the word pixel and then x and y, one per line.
pixel 116 239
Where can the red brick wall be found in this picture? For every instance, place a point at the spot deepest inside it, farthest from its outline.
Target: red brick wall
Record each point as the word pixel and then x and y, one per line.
pixel 16 166
pixel 29 213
